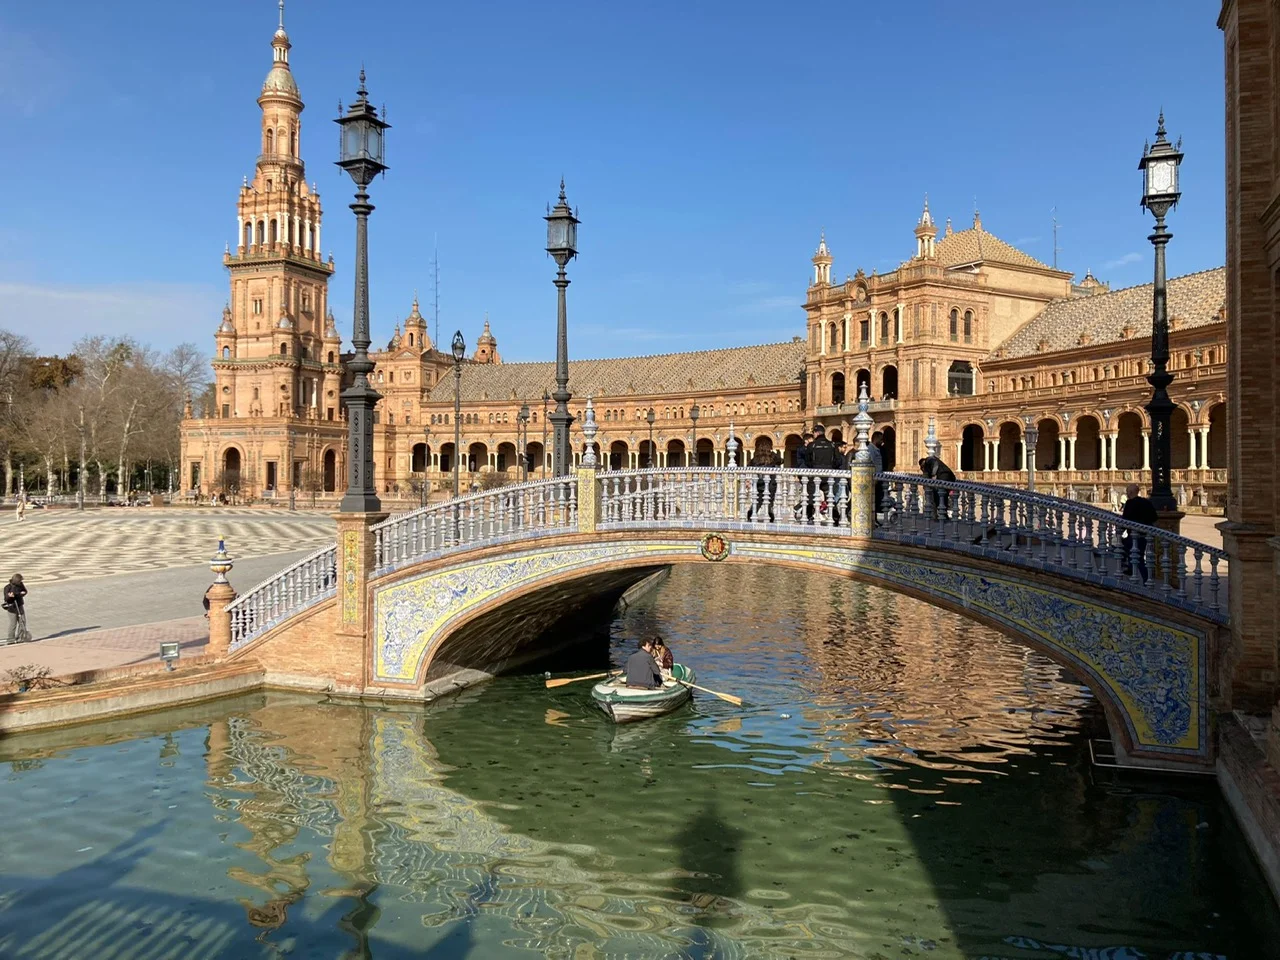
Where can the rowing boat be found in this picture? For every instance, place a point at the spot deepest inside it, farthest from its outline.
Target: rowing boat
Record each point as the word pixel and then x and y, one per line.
pixel 625 704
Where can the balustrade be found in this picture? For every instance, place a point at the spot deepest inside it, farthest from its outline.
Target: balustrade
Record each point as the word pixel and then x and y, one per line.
pixel 1064 536
pixel 726 497
pixel 290 591
pixel 493 516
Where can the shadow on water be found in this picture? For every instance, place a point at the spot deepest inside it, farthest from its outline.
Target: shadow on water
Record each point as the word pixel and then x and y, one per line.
pixel 709 875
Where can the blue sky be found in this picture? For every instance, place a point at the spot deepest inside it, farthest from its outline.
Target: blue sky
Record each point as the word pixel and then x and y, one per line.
pixel 705 144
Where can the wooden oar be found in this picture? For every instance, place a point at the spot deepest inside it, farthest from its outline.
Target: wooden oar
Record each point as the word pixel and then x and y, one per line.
pixel 736 701
pixel 561 681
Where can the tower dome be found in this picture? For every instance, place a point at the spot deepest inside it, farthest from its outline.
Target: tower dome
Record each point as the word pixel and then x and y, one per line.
pixel 280 82
pixel 486 345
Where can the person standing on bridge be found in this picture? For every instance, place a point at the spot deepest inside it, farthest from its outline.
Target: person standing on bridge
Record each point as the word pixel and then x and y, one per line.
pixel 1137 509
pixel 642 669
pixel 933 468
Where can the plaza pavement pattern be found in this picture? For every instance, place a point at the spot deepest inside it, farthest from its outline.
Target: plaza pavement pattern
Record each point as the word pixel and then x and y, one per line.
pixel 106 586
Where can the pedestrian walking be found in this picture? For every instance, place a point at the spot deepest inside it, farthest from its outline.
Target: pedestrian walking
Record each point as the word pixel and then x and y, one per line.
pixel 1137 509
pixel 15 610
pixel 22 507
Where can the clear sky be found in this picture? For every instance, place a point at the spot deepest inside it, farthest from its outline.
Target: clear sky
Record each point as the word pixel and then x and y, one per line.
pixel 704 143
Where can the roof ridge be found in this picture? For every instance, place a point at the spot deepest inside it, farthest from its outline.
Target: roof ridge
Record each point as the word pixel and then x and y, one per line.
pixel 648 356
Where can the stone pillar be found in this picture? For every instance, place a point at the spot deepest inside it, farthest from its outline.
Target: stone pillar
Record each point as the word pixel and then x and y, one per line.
pixel 1062 452
pixel 355 563
pixel 1204 448
pixel 589 500
pixel 1146 449
pixel 219 594
pixel 862 499
pixel 1071 452
pixel 1022 454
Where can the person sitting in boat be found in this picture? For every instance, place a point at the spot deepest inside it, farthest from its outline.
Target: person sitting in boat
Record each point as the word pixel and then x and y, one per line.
pixel 642 669
pixel 662 656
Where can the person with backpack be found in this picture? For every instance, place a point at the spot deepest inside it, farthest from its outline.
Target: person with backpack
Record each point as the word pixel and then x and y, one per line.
pixel 12 604
pixel 822 455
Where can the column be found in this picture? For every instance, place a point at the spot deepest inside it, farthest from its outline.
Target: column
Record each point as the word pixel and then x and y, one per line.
pixel 1071 452
pixel 871 327
pixel 317 238
pixel 1146 449
pixel 297 233
pixel 822 338
pixel 1062 452
pixel 306 234
pixel 1022 454
pixel 1204 448
pixel 901 320
pixel 959 452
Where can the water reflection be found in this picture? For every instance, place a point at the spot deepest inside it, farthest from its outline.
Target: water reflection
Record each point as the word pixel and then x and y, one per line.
pixel 900 783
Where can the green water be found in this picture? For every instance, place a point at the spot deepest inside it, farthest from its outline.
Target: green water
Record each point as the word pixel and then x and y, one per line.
pixel 900 783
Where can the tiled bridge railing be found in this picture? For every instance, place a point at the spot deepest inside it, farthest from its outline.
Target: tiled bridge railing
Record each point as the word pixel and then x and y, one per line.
pixel 1063 536
pixel 1008 526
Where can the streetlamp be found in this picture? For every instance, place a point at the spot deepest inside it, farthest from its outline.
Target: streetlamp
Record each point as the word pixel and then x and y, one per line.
pixel 546 399
pixel 361 151
pixel 562 244
pixel 649 418
pixel 522 422
pixel 1159 166
pixel 459 351
pixel 1030 433
pixel 693 415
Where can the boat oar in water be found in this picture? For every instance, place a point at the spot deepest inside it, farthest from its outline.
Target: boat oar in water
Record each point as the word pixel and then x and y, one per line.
pixel 736 701
pixel 561 681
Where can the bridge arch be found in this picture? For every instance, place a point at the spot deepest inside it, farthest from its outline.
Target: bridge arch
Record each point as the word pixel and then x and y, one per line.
pixel 431 620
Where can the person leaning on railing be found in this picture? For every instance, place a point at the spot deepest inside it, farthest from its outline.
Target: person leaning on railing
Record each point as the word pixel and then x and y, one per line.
pixel 933 468
pixel 1137 509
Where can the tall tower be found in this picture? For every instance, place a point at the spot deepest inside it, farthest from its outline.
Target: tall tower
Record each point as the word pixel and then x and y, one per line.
pixel 279 281
pixel 822 262
pixel 926 232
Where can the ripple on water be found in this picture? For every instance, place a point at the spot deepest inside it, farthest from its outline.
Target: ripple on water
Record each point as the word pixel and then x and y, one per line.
pixel 899 783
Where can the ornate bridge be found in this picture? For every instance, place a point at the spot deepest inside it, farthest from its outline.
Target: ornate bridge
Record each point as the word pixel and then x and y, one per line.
pixel 413 604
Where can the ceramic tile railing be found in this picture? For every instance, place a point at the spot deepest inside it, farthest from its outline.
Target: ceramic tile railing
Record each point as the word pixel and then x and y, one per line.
pixel 805 501
pixel 511 512
pixel 1062 536
pixel 289 592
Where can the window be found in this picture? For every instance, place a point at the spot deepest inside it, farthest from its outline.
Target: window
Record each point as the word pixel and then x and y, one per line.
pixel 330 413
pixel 284 349
pixel 226 410
pixel 226 353
pixel 306 301
pixel 968 326
pixel 331 356
pixel 411 339
pixel 955 325
pixel 884 328
pixel 257 306
pixel 255 393
pixel 864 331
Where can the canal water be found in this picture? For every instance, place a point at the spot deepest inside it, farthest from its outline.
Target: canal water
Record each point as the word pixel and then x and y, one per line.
pixel 899 783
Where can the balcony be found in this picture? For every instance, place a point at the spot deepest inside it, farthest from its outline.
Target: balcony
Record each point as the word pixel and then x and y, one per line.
pixel 851 409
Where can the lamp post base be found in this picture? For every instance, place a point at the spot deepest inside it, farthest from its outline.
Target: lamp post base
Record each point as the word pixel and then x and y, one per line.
pixel 1170 520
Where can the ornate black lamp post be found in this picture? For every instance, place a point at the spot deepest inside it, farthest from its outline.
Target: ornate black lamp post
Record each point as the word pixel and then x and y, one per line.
pixel 522 428
pixel 1159 166
pixel 459 351
pixel 546 399
pixel 562 244
pixel 694 413
pixel 361 152
pixel 649 418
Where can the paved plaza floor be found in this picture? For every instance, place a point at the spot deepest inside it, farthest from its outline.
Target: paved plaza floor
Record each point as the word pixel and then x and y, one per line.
pixel 107 586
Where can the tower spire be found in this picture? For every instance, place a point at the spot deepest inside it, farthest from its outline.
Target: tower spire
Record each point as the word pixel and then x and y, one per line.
pixel 282 16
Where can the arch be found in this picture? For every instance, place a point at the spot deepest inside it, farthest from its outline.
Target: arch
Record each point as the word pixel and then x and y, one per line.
pixel 960 379
pixel 837 388
pixel 1010 452
pixel 331 356
pixel 419 457
pixel 284 349
pixel 477 457
pixel 835 435
pixel 1129 441
pixel 330 471
pixel 763 444
pixel 791 444
pixel 275 231
pixel 889 449
pixel 1047 445
pixel 619 455
pixel 889 382
pixel 262 232
pixel 506 456
pixel 247 234
pixel 705 454
pixel 1088 443
pixel 271 141
pixel 675 453
pixel 1152 713
pixel 968 326
pixel 1180 438
pixel 885 333
pixel 953 325
pixel 226 353
pixel 833 343
pixel 446 457
pixel 971 447
pixel 861 379
pixel 1218 436
pixel 536 456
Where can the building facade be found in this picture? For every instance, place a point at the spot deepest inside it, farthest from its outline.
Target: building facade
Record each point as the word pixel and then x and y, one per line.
pixel 969 342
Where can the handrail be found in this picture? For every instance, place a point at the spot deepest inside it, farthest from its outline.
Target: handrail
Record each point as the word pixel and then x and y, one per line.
pixel 295 588
pixel 509 512
pixel 1048 533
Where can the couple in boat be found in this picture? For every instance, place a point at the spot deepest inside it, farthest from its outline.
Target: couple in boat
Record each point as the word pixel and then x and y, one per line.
pixel 650 665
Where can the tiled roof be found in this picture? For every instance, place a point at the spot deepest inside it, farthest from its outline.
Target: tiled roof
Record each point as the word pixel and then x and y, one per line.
pixel 970 246
pixel 1194 300
pixel 768 364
